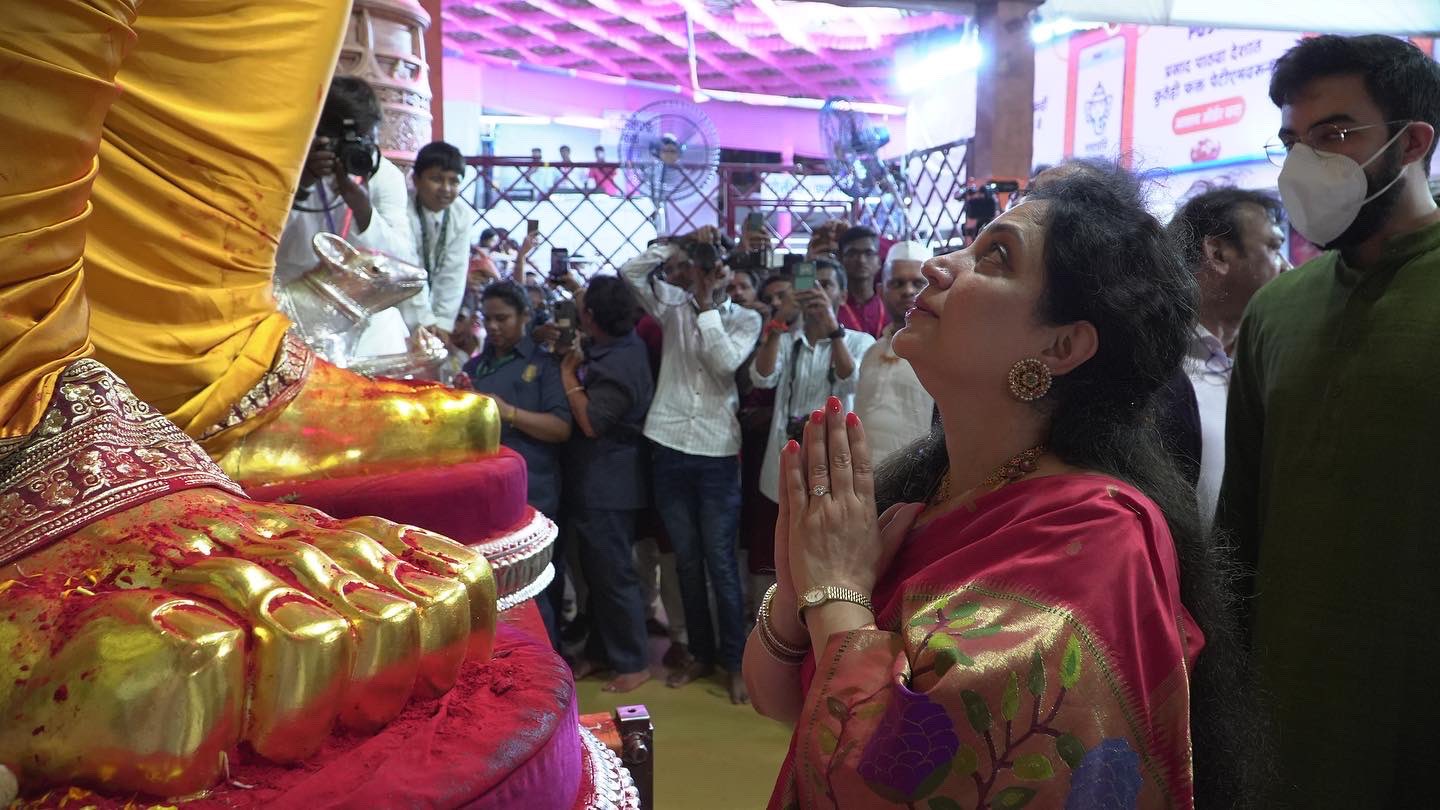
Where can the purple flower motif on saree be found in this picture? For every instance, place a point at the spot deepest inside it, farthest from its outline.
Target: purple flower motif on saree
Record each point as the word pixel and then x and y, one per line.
pixel 909 754
pixel 1108 778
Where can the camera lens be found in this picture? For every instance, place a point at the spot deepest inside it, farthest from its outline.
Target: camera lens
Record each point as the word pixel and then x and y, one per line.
pixel 358 159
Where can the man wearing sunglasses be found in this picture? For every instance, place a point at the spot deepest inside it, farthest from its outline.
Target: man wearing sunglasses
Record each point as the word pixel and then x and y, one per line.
pixel 1332 490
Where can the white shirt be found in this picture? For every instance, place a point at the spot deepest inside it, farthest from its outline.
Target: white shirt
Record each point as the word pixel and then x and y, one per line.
pixel 890 401
pixel 812 386
pixel 447 266
pixel 389 233
pixel 695 399
pixel 1208 368
pixel 389 230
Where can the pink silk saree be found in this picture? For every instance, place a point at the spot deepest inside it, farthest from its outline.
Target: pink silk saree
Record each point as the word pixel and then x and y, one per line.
pixel 1031 651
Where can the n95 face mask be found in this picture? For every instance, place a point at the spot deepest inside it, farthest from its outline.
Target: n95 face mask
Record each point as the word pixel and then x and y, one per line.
pixel 1323 192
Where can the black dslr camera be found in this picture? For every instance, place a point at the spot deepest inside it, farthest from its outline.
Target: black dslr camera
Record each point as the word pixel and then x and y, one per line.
pixel 982 205
pixel 357 153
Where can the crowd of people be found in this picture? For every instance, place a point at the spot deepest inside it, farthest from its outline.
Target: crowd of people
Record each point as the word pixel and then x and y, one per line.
pixel 1037 451
pixel 635 434
pixel 624 393
pixel 539 179
pixel 1234 562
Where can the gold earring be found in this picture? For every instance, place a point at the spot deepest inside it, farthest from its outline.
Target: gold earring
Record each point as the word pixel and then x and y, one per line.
pixel 1030 380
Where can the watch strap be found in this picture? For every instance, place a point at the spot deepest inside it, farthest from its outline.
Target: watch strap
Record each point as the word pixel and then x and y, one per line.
pixel 832 593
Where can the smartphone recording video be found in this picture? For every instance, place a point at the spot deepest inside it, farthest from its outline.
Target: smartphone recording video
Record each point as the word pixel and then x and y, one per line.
pixel 567 319
pixel 559 262
pixel 804 276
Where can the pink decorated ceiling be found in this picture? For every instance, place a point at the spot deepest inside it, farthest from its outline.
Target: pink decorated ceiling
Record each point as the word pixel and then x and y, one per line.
pixel 781 48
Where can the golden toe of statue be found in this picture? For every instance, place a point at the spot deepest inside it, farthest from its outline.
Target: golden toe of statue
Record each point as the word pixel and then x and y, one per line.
pixel 136 653
pixel 342 424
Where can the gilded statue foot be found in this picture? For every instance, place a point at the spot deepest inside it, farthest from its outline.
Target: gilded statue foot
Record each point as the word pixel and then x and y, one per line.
pixel 310 420
pixel 181 619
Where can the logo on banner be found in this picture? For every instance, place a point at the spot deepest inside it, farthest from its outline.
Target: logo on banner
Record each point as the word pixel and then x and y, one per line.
pixel 1097 109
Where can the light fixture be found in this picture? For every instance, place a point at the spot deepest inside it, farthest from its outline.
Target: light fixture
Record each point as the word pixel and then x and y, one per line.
pixel 583 122
pixel 796 102
pixel 919 70
pixel 1043 30
pixel 515 120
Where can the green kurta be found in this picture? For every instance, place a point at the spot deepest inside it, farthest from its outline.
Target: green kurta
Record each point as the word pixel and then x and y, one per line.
pixel 1332 493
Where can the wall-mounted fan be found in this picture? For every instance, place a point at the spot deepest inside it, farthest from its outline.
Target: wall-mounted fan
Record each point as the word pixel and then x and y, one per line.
pixel 851 146
pixel 670 150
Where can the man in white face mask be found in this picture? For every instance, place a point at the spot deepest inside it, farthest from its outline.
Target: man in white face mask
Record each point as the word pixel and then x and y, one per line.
pixel 1332 485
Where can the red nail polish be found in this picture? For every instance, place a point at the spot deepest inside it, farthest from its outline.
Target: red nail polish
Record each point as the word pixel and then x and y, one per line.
pixel 792 446
pixel 816 417
pixel 852 420
pixel 833 403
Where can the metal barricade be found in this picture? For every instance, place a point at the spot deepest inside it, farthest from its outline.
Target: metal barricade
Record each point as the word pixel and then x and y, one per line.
pixel 601 212
pixel 936 179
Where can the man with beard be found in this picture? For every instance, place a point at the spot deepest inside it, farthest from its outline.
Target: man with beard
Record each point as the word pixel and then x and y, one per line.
pixel 1331 489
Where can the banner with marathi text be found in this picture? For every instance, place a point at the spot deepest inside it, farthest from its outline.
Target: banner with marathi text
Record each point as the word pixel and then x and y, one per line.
pixel 1188 106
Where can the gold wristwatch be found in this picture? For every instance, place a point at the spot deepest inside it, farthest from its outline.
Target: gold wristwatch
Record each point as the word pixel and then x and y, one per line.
pixel 820 594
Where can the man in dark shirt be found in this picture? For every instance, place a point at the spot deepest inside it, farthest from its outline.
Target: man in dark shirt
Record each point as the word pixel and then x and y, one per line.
pixel 524 381
pixel 609 387
pixel 1330 490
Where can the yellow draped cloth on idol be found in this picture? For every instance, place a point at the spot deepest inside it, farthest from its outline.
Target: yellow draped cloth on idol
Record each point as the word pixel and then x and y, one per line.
pixel 198 163
pixel 59 72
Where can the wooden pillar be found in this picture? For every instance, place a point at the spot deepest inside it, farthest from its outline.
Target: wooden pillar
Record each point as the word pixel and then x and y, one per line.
pixel 435 57
pixel 1005 91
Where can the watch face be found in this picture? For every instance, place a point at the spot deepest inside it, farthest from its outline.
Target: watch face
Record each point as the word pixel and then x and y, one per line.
pixel 815 596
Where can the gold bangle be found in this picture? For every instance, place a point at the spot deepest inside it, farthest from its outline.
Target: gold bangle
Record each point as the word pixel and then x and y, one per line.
pixel 767 630
pixel 771 648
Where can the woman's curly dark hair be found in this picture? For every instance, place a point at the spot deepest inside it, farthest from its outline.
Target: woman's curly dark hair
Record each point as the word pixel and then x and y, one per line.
pixel 1111 263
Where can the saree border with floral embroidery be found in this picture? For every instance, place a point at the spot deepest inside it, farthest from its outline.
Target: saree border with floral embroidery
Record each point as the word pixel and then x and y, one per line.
pixel 1001 653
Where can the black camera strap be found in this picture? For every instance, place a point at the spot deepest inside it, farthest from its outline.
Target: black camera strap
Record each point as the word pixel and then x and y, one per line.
pixel 326 207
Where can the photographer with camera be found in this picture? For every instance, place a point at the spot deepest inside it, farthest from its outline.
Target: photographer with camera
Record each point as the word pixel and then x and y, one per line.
pixel 696 436
pixel 348 188
pixel 806 365
pixel 609 387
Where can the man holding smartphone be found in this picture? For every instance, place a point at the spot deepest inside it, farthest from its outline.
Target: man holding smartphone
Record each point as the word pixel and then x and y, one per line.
pixel 754 251
pixel 696 437
pixel 808 365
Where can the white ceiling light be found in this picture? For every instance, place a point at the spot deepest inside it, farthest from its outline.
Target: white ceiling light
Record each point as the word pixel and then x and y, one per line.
pixel 515 120
pixel 918 70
